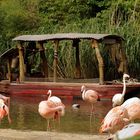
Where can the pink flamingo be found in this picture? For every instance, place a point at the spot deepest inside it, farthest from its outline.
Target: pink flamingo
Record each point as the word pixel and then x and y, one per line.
pixel 132 106
pixel 115 120
pixel 119 97
pixel 51 108
pixel 4 107
pixel 91 97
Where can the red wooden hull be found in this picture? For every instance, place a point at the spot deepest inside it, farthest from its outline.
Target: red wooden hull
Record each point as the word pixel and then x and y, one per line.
pixel 66 89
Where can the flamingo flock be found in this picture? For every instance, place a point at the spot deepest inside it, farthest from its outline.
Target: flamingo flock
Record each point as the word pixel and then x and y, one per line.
pixel 121 113
pixel 120 116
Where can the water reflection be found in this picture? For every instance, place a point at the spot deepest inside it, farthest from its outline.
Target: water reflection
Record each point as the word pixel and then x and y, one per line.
pixel 24 114
pixel 20 116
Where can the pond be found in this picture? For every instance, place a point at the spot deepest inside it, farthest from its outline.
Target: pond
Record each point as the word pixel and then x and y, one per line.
pixel 25 116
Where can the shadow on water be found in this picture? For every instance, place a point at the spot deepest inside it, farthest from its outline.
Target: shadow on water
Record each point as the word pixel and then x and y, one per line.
pixel 24 114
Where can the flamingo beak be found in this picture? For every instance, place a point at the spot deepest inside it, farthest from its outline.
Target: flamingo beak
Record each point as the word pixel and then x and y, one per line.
pixel 3 107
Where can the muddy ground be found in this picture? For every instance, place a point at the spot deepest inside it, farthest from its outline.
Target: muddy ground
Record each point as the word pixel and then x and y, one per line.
pixel 9 134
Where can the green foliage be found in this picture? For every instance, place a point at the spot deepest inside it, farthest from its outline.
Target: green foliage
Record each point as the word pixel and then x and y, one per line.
pixel 87 16
pixel 133 138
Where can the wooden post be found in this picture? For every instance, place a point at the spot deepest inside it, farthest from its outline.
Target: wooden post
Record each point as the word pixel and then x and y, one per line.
pixel 9 76
pixel 21 62
pixel 100 61
pixel 77 65
pixel 43 57
pixel 123 55
pixel 55 60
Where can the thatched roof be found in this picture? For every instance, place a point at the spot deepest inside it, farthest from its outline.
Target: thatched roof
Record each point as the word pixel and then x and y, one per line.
pixel 66 36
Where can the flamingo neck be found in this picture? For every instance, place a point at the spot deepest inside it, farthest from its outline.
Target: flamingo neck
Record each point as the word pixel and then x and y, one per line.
pixel 124 87
pixel 84 93
pixel 49 93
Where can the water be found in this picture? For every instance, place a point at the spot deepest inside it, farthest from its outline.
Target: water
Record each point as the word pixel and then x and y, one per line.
pixel 25 116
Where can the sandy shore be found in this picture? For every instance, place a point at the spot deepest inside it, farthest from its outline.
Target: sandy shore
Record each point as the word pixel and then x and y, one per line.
pixel 9 134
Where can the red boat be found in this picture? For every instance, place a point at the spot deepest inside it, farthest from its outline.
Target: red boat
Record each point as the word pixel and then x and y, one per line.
pixel 23 83
pixel 66 89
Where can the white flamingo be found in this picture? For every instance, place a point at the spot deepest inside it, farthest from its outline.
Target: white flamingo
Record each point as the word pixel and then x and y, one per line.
pixel 119 97
pixel 128 132
pixel 133 108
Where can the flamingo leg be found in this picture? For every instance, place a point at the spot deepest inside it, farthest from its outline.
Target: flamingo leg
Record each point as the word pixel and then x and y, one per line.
pixel 48 125
pixel 91 114
pixel 49 129
pixel 59 120
pixel 54 126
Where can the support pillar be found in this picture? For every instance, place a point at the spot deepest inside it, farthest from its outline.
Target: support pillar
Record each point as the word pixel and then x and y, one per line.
pixel 9 76
pixel 56 43
pixel 77 65
pixel 123 59
pixel 100 61
pixel 21 63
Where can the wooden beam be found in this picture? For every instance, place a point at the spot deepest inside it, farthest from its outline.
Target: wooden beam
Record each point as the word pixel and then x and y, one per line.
pixel 21 63
pixel 56 44
pixel 100 61
pixel 43 57
pixel 77 65
pixel 9 76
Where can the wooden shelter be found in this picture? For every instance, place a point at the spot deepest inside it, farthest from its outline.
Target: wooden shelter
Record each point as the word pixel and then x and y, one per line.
pixel 39 40
pixel 27 45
